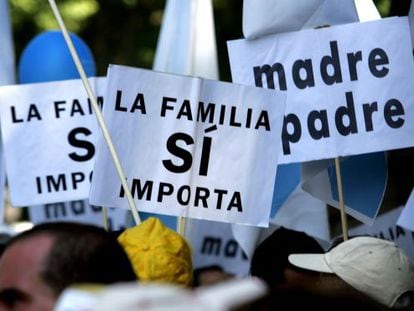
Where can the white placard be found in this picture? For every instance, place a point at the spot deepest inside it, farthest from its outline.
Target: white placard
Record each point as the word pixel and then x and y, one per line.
pixel 348 92
pixel 406 218
pixel 49 131
pixel 189 146
pixel 79 211
pixel 386 227
pixel 213 243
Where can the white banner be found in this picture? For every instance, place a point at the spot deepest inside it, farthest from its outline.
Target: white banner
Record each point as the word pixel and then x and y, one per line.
pixel 406 218
pixel 212 243
pixel 79 211
pixel 385 227
pixel 49 131
pixel 348 93
pixel 189 146
pixel 261 17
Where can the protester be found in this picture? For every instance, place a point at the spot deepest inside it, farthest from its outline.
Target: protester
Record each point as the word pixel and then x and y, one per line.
pixel 158 253
pixel 38 264
pixel 296 299
pixel 365 267
pixel 270 259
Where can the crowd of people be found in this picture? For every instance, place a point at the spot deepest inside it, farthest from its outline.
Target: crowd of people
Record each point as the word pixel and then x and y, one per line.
pixel 149 267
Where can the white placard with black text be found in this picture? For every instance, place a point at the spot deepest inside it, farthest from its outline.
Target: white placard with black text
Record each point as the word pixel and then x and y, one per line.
pixel 189 146
pixel 79 211
pixel 349 87
pixel 49 132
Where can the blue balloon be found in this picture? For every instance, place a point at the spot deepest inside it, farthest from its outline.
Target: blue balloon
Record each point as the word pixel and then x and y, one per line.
pixel 47 58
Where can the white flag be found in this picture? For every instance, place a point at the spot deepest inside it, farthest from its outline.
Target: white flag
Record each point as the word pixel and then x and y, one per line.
pixel 7 76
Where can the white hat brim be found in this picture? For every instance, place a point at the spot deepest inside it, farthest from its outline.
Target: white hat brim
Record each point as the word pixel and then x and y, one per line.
pixel 314 262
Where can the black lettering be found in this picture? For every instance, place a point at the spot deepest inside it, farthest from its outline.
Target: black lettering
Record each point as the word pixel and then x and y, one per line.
pixel 164 190
pixel 268 72
pixel 56 184
pixel 33 113
pixel 399 231
pixel 58 109
pixel 140 190
pixel 201 196
pixel 184 195
pixel 235 202
pixel 164 105
pixel 377 58
pixel 205 156
pixel 83 144
pixel 220 194
pixel 230 250
pixel 211 246
pixel 77 178
pixel 185 110
pixel 306 67
pixel 323 130
pixel 233 121
pixel 263 121
pixel 290 136
pixel 55 210
pixel 13 115
pixel 353 59
pixel 369 109
pixel 333 62
pixel 349 112
pixel 184 155
pixel 205 112
pixel 139 104
pixel 118 106
pixel 78 207
pixel 393 108
pixel 76 108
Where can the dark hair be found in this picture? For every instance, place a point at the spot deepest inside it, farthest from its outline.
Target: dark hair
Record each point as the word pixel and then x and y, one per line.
pixel 80 253
pixel 296 299
pixel 271 256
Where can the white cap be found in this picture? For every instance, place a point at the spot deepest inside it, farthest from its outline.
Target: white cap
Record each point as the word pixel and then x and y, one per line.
pixel 378 268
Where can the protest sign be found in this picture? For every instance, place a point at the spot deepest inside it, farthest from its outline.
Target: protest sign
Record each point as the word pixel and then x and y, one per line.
pixel 213 243
pixel 48 132
pixel 363 183
pixel 78 211
pixel 189 146
pixel 347 92
pixel 270 17
pixel 385 227
pixel 406 218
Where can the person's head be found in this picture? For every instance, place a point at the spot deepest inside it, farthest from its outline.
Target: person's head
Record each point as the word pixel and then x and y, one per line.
pixel 375 268
pixel 38 264
pixel 270 259
pixel 209 275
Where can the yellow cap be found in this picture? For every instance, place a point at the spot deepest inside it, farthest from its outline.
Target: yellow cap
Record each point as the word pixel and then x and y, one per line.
pixel 158 253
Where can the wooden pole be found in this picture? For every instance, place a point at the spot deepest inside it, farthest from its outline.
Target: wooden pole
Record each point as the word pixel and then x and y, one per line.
pixel 181 226
pixel 344 220
pixel 96 109
pixel 105 218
